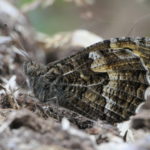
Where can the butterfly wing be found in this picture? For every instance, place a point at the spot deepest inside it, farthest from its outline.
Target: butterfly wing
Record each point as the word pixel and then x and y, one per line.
pixel 101 82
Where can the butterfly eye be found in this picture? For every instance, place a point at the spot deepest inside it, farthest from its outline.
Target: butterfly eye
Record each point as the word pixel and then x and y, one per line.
pixel 30 68
pixel 50 77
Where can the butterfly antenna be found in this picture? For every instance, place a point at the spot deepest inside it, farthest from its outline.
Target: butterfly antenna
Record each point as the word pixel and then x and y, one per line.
pixel 137 22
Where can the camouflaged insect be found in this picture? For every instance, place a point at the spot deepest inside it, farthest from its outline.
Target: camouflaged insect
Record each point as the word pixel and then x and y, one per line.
pixel 105 81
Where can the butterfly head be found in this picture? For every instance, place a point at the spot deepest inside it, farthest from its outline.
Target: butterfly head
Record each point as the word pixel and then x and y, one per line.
pixel 42 82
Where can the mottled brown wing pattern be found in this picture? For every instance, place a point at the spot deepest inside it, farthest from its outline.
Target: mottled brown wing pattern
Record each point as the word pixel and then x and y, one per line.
pixel 104 81
pixel 139 46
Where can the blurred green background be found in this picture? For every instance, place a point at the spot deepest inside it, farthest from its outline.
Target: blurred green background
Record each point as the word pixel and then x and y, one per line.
pixel 107 18
pixel 56 18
